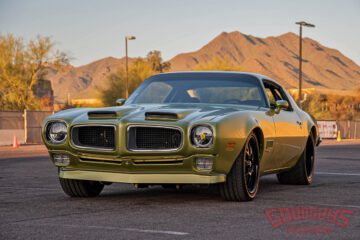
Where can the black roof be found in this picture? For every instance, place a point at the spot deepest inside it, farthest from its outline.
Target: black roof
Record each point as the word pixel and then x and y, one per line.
pixel 209 74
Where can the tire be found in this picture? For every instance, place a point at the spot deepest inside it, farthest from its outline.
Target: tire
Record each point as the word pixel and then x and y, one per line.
pixel 242 181
pixel 303 172
pixel 81 188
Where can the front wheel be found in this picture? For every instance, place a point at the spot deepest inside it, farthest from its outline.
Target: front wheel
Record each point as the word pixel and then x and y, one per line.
pixel 81 188
pixel 243 179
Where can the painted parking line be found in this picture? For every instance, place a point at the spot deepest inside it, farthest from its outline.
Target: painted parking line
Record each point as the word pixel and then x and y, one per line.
pixel 29 188
pixel 337 173
pixel 112 228
pixel 155 231
pixel 313 203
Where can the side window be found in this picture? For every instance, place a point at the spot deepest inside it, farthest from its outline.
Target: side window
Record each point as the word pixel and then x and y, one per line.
pixel 275 93
pixel 270 95
pixel 282 96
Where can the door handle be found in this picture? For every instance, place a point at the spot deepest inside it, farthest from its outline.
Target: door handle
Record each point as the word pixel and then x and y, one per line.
pixel 299 123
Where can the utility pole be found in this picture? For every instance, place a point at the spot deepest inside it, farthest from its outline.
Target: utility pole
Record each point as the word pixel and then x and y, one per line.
pixel 301 24
pixel 126 65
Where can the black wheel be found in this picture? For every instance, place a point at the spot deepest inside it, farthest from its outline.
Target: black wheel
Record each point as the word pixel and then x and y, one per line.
pixel 303 172
pixel 243 179
pixel 81 188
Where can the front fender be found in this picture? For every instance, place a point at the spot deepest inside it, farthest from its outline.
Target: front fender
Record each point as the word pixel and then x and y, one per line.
pixel 232 132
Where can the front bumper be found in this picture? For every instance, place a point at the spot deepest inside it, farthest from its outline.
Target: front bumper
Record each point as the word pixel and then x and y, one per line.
pixel 138 169
pixel 135 178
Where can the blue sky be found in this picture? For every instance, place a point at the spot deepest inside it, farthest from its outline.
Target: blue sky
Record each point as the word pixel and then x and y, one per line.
pixel 90 30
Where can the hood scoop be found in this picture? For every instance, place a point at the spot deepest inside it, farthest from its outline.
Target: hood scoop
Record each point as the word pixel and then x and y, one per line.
pixel 161 116
pixel 102 114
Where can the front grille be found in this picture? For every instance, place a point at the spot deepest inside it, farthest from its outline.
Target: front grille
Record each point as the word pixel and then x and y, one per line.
pixel 94 137
pixel 154 138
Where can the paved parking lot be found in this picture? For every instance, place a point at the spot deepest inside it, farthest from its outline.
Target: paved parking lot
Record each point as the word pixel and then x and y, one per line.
pixel 33 206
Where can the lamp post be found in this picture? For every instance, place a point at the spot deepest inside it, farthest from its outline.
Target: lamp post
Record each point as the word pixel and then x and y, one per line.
pixel 301 24
pixel 126 65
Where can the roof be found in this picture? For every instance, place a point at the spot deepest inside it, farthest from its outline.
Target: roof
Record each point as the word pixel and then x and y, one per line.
pixel 233 73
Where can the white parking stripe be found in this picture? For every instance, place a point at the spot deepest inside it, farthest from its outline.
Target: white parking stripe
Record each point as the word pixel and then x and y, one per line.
pixel 111 228
pixel 335 173
pixel 338 205
pixel 154 231
pixel 28 188
pixel 314 203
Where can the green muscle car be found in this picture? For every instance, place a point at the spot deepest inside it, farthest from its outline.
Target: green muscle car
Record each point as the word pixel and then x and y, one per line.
pixel 223 128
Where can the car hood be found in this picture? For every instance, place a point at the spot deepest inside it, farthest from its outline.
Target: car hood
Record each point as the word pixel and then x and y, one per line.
pixel 150 112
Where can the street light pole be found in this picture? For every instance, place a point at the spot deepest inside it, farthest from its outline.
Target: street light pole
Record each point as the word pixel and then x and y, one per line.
pixel 300 63
pixel 301 24
pixel 127 66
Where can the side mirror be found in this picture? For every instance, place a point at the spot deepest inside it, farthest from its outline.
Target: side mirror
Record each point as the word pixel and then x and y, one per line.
pixel 281 104
pixel 120 101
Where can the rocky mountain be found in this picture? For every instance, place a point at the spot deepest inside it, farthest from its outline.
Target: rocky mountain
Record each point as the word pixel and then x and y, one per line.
pixel 276 57
pixel 84 81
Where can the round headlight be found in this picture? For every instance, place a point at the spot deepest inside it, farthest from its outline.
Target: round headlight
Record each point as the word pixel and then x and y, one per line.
pixel 202 136
pixel 57 132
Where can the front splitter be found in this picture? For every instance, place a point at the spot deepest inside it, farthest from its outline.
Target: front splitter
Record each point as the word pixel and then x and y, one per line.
pixel 148 178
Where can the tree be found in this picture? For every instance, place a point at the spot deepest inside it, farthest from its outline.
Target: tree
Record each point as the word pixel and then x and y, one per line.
pixel 139 70
pixel 156 62
pixel 314 105
pixel 21 66
pixel 332 106
pixel 217 63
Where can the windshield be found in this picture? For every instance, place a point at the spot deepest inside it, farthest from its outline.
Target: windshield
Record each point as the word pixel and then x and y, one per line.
pixel 209 91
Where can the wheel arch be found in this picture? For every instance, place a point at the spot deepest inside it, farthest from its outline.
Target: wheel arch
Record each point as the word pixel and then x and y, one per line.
pixel 313 132
pixel 260 137
pixel 313 129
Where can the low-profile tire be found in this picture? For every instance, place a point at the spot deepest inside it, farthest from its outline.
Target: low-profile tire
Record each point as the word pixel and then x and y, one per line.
pixel 81 188
pixel 303 172
pixel 242 181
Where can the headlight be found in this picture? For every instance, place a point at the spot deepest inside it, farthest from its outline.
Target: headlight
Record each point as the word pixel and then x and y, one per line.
pixel 202 136
pixel 56 132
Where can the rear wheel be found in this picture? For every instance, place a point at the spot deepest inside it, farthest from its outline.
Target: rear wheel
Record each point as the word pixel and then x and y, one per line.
pixel 243 179
pixel 81 188
pixel 302 173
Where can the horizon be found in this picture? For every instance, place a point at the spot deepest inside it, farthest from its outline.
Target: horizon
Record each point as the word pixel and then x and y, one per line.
pixel 89 31
pixel 133 57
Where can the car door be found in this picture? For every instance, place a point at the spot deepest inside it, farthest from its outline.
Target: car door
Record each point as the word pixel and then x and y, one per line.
pixel 288 127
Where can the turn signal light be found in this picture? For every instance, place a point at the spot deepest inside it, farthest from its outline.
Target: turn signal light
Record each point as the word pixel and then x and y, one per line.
pixel 61 160
pixel 204 163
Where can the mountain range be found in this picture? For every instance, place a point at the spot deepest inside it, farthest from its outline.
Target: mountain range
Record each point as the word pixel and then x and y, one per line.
pixel 276 57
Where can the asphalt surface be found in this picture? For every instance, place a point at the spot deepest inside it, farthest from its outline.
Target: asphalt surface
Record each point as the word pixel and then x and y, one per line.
pixel 33 206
